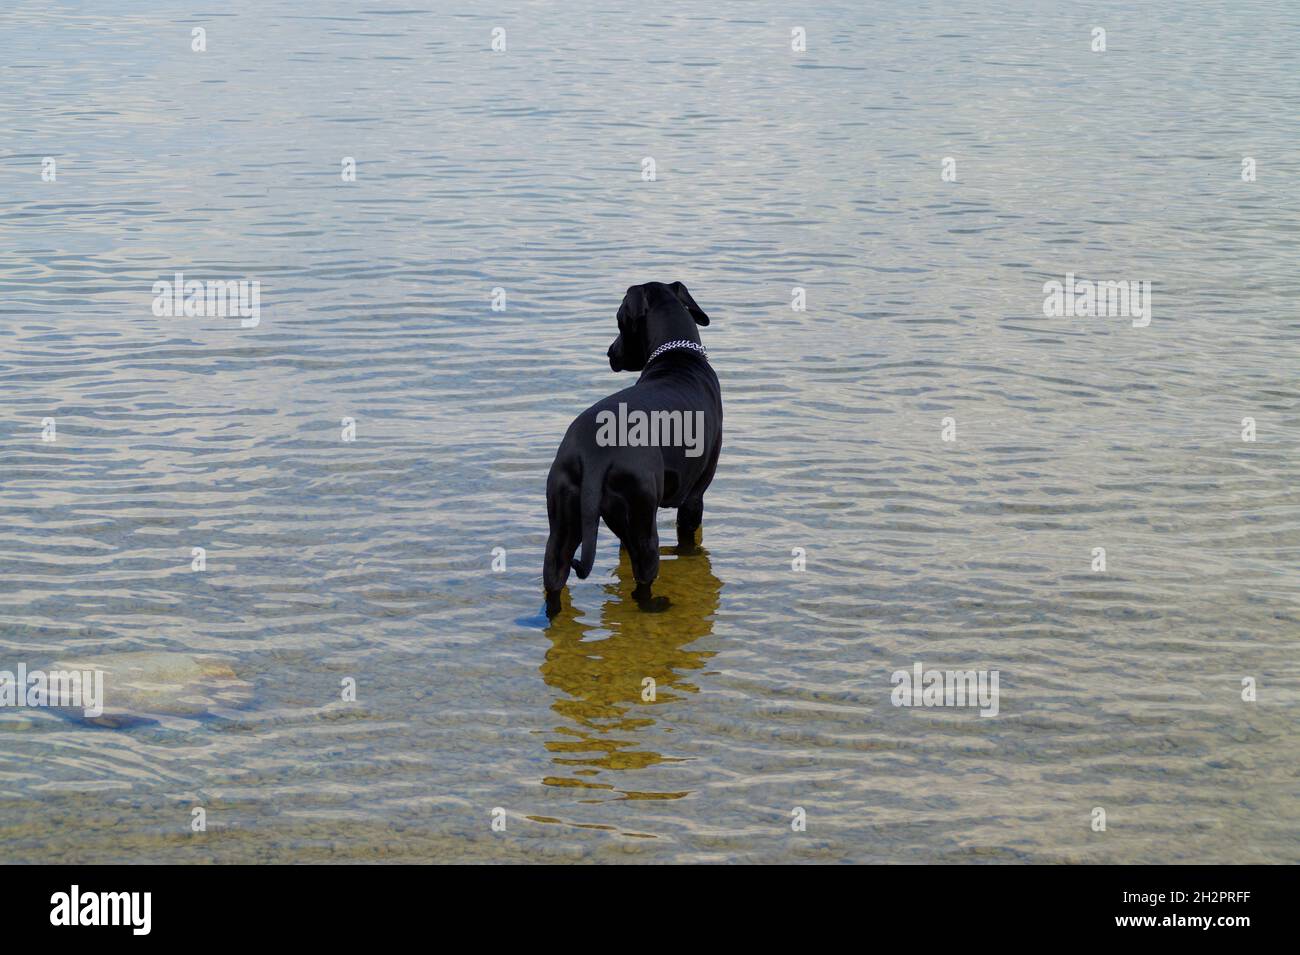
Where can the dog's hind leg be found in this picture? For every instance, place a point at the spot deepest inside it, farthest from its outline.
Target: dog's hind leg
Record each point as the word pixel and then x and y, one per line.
pixel 616 519
pixel 643 547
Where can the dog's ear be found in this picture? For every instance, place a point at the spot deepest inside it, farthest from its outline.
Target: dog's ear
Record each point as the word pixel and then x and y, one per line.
pixel 684 297
pixel 634 307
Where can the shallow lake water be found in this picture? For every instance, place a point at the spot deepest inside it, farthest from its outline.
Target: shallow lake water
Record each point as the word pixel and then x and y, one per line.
pixel 370 561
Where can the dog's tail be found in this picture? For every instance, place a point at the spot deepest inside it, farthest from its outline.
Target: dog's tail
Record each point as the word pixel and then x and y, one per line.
pixel 593 485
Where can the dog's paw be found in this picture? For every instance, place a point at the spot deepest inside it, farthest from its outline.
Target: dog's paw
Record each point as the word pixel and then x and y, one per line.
pixel 654 604
pixel 552 605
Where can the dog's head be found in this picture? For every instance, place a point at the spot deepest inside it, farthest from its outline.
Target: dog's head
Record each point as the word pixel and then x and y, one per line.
pixel 653 313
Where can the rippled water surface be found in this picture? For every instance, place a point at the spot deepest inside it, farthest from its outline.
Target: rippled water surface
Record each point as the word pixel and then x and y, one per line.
pixel 371 560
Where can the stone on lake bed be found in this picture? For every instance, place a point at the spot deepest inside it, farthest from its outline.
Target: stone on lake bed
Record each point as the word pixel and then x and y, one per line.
pixel 152 686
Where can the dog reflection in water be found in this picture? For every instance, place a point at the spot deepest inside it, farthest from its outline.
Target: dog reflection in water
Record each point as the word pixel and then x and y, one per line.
pixel 604 680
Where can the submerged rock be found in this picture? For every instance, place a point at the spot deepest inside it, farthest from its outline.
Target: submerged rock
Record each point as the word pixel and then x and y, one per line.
pixel 152 687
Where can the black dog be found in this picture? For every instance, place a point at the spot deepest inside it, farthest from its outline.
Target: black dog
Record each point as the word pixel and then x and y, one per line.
pixel 607 466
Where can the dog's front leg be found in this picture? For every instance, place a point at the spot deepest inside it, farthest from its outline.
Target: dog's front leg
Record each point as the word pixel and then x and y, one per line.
pixel 689 517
